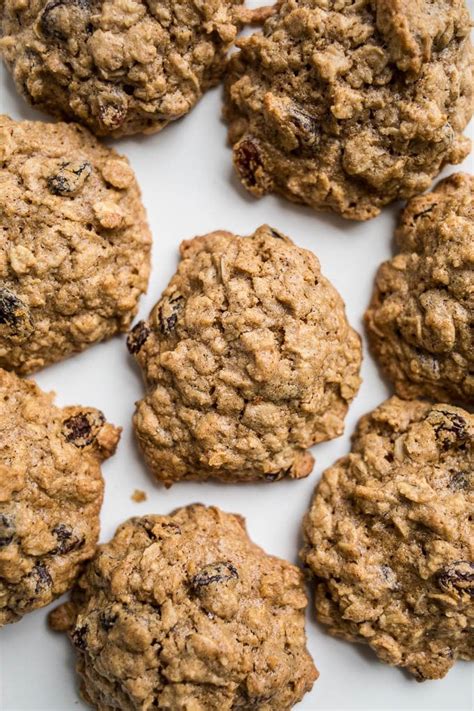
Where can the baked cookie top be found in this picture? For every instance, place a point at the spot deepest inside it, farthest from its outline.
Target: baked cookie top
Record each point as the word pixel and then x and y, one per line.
pixel 421 317
pixel 346 106
pixel 74 243
pixel 390 537
pixel 51 492
pixel 248 360
pixel 118 67
pixel 184 611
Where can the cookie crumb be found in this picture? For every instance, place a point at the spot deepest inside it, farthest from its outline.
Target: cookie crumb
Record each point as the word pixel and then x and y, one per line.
pixel 139 496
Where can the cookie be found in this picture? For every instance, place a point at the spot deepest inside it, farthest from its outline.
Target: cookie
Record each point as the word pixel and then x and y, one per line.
pixel 390 538
pixel 74 244
pixel 346 106
pixel 185 612
pixel 51 492
pixel 117 67
pixel 248 361
pixel 421 317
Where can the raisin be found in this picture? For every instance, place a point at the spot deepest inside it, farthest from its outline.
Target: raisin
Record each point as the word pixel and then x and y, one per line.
pixel 107 620
pixel 429 364
pixel 426 211
pixel 50 22
pixel 169 311
pixel 248 161
pixel 460 481
pixel 250 699
pixel 276 234
pixel 43 578
pixel 172 527
pixel 137 337
pixel 79 637
pixel 276 476
pixel 67 542
pixel 16 322
pixel 220 572
pixel 458 577
pixel 113 111
pixel 453 423
pixel 81 429
pixel 307 126
pixel 390 577
pixel 7 530
pixel 148 526
pixel 70 178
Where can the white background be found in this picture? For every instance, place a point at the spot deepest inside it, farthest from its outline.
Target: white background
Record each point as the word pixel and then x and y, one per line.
pixel 189 188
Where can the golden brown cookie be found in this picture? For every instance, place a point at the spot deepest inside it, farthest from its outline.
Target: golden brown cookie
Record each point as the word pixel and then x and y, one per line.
pixel 119 67
pixel 185 612
pixel 390 537
pixel 346 106
pixel 248 361
pixel 51 492
pixel 421 318
pixel 74 243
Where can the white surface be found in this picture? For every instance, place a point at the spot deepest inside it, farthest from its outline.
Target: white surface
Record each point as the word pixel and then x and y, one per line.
pixel 189 188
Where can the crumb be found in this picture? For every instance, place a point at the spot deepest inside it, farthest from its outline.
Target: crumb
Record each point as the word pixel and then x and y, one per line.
pixel 139 496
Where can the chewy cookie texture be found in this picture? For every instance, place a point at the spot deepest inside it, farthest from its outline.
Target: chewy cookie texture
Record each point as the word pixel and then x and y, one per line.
pixel 51 491
pixel 420 320
pixel 248 361
pixel 185 612
pixel 390 537
pixel 118 66
pixel 346 106
pixel 74 243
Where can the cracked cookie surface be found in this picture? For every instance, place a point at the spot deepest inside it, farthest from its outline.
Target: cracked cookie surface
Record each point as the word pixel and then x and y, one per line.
pixel 390 537
pixel 248 361
pixel 185 612
pixel 51 492
pixel 346 106
pixel 74 243
pixel 118 66
pixel 421 318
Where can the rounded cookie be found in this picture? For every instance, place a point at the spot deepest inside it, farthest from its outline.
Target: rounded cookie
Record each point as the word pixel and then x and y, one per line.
pixel 248 360
pixel 51 492
pixel 117 67
pixel 421 317
pixel 346 106
pixel 74 243
pixel 390 537
pixel 185 612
